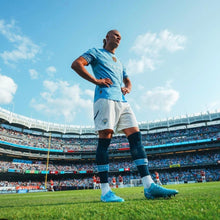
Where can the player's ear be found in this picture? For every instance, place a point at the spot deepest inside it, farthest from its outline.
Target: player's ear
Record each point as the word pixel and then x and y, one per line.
pixel 104 43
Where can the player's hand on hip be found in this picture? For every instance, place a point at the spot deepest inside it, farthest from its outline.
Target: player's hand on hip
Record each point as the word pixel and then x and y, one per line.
pixel 125 90
pixel 104 82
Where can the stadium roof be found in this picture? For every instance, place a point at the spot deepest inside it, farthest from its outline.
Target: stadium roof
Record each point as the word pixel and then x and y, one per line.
pixel 20 121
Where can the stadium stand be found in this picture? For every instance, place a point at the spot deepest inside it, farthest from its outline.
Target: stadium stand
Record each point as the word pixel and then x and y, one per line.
pixel 180 149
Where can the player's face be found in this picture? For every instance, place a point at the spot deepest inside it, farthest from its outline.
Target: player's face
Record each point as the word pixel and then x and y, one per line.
pixel 114 38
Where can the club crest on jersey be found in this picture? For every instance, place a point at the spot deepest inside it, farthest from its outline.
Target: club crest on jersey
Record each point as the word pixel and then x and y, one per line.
pixel 114 59
pixel 105 120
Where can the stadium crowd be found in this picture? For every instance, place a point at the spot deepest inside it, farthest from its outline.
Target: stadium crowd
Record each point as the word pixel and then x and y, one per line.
pixel 183 176
pixel 89 144
pixel 193 159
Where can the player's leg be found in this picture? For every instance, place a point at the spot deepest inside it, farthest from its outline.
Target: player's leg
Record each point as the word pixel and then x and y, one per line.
pixel 128 124
pixel 151 190
pixel 104 117
pixel 102 160
pixel 138 155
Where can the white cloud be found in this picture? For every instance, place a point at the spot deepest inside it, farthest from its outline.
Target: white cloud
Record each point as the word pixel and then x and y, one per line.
pixel 52 86
pixel 51 70
pixel 90 93
pixel 60 99
pixel 33 73
pixel 138 66
pixel 160 98
pixel 7 89
pixel 152 43
pixel 24 48
pixel 170 41
pixel 149 47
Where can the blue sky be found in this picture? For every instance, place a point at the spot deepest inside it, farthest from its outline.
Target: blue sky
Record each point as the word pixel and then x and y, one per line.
pixel 170 50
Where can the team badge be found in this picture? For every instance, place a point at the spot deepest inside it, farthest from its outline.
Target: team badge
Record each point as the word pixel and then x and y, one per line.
pixel 114 59
pixel 105 120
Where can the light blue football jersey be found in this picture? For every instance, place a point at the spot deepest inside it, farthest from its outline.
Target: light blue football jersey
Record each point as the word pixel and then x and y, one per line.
pixel 106 65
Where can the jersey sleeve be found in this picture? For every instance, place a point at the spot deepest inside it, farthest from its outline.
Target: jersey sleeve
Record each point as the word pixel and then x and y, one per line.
pixel 125 75
pixel 90 56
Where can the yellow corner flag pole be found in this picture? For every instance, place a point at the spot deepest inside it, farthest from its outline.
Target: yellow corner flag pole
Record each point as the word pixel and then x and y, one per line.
pixel 48 158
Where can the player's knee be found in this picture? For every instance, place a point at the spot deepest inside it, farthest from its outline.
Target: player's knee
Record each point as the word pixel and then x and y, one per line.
pixel 106 134
pixel 136 147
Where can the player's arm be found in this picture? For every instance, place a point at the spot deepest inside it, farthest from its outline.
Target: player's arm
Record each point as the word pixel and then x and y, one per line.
pixel 127 88
pixel 79 67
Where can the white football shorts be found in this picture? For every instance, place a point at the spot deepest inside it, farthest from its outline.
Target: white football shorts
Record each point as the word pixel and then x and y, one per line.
pixel 114 115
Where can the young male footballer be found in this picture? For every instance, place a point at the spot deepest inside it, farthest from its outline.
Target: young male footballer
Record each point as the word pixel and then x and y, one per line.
pixel 112 113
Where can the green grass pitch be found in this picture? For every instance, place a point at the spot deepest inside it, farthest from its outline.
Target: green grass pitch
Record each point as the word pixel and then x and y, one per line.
pixel 194 201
